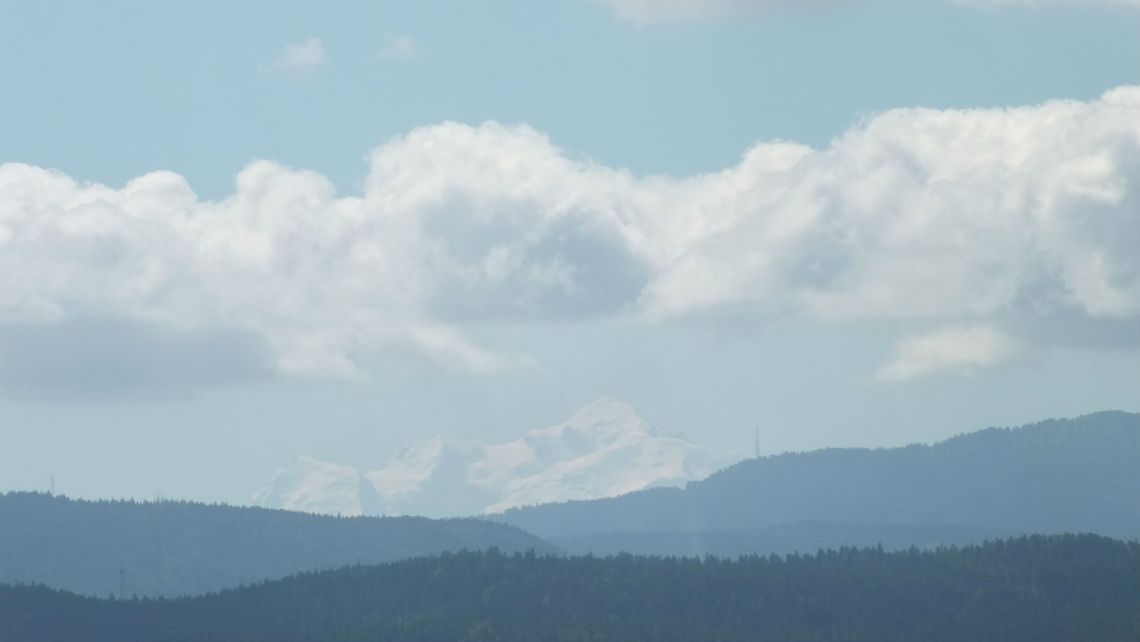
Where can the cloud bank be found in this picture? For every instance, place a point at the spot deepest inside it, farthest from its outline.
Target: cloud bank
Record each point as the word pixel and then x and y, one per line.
pixel 964 225
pixel 948 349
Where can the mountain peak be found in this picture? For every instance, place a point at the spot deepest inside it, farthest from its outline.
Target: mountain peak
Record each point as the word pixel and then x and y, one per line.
pixel 610 413
pixel 596 426
pixel 602 450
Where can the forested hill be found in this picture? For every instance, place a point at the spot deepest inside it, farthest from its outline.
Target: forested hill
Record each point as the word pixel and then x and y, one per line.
pixel 183 548
pixel 1074 475
pixel 1035 589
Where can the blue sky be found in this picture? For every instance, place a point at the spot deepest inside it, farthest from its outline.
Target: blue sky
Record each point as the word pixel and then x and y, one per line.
pixel 111 91
pixel 181 384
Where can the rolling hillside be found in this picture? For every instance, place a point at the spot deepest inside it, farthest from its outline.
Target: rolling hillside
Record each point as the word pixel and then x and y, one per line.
pixel 183 548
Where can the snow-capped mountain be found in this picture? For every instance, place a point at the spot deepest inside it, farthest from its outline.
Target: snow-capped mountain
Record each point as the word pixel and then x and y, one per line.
pixel 314 486
pixel 604 450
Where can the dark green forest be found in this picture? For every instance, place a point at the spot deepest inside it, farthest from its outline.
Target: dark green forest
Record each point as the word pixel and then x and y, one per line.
pixel 1032 589
pixel 183 548
pixel 1056 476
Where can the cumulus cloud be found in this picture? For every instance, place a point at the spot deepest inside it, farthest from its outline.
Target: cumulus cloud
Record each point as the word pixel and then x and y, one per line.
pixel 948 350
pixel 398 48
pixel 647 11
pixel 301 57
pixel 1026 219
pixel 654 11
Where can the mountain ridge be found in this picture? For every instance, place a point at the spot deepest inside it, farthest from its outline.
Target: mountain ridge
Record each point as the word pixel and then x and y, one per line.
pixel 172 548
pixel 1051 476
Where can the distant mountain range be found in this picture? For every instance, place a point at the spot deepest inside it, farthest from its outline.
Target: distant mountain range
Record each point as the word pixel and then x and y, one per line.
pixel 1072 475
pixel 183 548
pixel 604 450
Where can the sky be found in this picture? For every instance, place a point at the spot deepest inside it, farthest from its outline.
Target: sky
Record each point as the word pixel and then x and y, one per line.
pixel 234 233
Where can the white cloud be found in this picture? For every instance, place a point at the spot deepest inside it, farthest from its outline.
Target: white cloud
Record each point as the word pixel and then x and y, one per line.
pixel 948 350
pixel 302 57
pixel 398 48
pixel 1014 218
pixel 654 11
pixel 648 11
